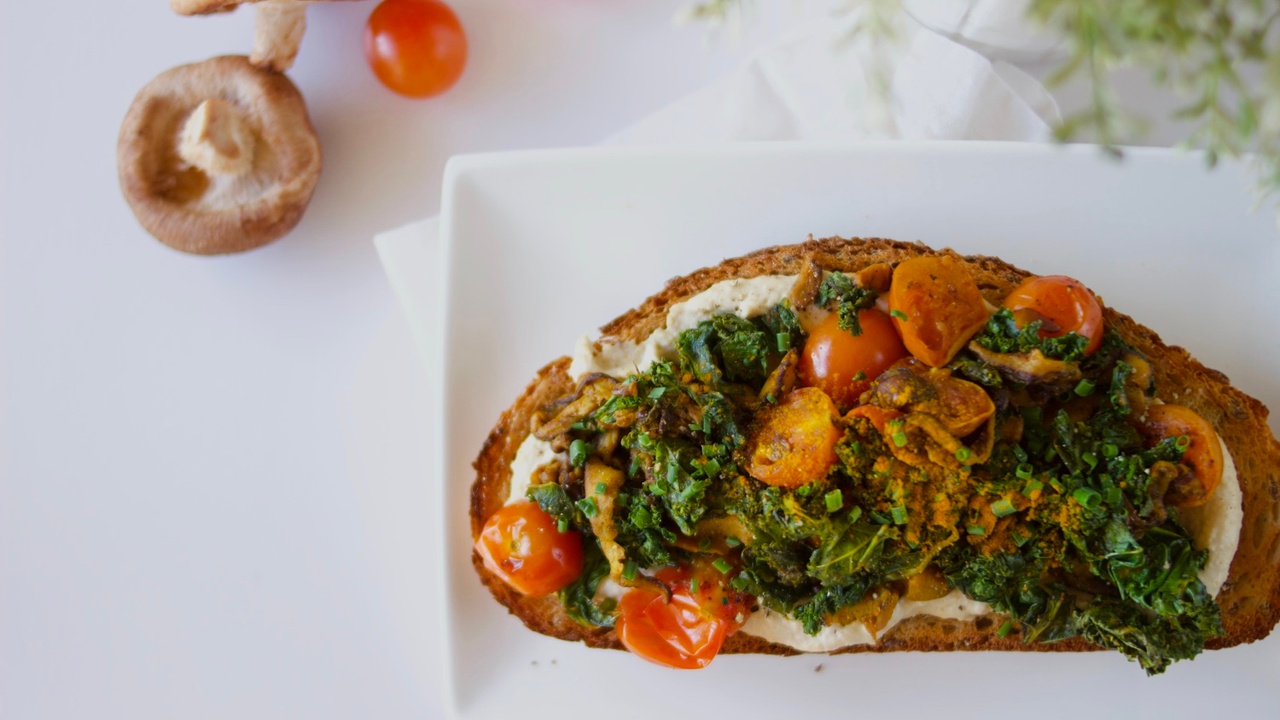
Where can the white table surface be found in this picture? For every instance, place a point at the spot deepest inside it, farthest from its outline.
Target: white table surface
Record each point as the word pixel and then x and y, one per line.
pixel 189 520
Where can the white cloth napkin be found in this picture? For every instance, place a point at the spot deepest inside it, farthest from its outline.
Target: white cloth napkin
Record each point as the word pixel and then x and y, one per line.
pixel 813 84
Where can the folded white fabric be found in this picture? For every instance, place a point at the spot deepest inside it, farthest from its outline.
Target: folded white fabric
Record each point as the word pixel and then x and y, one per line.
pixel 815 83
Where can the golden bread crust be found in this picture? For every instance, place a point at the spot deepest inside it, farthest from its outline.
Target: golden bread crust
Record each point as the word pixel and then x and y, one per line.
pixel 1250 599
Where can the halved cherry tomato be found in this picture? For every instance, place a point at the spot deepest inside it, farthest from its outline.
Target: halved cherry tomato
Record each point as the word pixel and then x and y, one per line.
pixel 521 544
pixel 832 357
pixel 687 631
pixel 936 307
pixel 795 441
pixel 416 47
pixel 1063 305
pixel 1203 455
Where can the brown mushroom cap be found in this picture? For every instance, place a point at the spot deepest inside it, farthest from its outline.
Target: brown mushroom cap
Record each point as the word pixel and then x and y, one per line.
pixel 233 205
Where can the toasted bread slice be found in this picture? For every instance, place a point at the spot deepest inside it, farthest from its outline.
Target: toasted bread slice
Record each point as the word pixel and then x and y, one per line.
pixel 1250 599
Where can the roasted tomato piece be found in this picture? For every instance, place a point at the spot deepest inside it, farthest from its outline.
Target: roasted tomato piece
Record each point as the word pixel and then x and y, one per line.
pixel 936 307
pixel 686 631
pixel 795 440
pixel 1062 304
pixel 842 364
pixel 521 544
pixel 878 416
pixel 1203 454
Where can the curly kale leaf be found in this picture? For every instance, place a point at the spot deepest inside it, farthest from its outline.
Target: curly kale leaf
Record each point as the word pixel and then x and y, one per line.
pixel 1154 641
pixel 781 322
pixel 555 502
pixel 578 597
pixel 725 348
pixel 812 613
pixel 1003 335
pixel 848 298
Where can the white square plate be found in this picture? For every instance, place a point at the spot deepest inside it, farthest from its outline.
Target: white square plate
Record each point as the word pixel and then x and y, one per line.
pixel 544 246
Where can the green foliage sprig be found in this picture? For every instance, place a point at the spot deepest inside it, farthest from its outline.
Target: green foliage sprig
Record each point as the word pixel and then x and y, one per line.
pixel 1221 58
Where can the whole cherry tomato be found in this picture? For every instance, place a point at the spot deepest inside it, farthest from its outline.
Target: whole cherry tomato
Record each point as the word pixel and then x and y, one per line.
pixel 1063 305
pixel 521 544
pixel 416 47
pixel 936 306
pixel 833 358
pixel 1203 454
pixel 688 630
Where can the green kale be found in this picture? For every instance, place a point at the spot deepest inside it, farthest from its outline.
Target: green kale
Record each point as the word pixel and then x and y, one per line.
pixel 812 613
pixel 1003 335
pixel 848 298
pixel 640 530
pixel 726 348
pixel 555 502
pixel 781 322
pixel 578 597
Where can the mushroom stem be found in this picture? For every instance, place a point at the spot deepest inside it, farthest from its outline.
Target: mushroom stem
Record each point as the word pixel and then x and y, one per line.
pixel 216 140
pixel 277 32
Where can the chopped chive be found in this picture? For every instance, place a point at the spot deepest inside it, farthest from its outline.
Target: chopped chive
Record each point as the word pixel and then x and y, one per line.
pixel 859 376
pixel 739 583
pixel 1109 450
pixel 1113 496
pixel 1024 471
pixel 784 341
pixel 1056 484
pixel 1182 443
pixel 1005 629
pixel 656 393
pixel 1019 453
pixel 629 570
pixel 855 513
pixel 1032 486
pixel 722 565
pixel 898 314
pixel 1084 388
pixel 578 452
pixel 704 544
pixel 562 525
pixel 657 487
pixel 976 530
pixel 963 454
pixel 732 541
pixel 1003 508
pixel 1088 498
pixel 588 507
pixel 899 438
pixel 601 488
pixel 899 513
pixel 835 500
pixel 693 585
pixel 1090 459
pixel 1020 539
pixel 804 490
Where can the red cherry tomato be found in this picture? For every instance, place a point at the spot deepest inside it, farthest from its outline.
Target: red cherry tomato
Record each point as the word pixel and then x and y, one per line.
pixel 521 544
pixel 1062 303
pixel 1203 455
pixel 832 357
pixel 686 632
pixel 416 47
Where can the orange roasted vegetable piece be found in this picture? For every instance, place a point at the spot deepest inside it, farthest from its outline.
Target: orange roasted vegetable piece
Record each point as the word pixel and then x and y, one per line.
pixel 936 307
pixel 1203 453
pixel 795 441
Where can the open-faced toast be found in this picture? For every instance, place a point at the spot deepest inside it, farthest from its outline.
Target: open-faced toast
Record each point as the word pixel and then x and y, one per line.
pixel 1249 599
